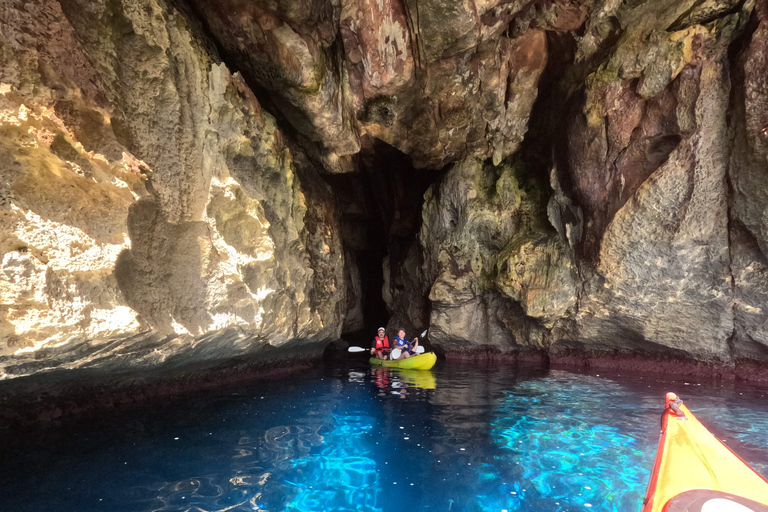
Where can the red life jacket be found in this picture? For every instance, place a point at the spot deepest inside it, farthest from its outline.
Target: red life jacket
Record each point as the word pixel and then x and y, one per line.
pixel 382 343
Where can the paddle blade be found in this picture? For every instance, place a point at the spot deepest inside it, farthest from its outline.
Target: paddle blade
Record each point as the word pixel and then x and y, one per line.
pixel 357 349
pixel 419 349
pixel 424 334
pixel 396 353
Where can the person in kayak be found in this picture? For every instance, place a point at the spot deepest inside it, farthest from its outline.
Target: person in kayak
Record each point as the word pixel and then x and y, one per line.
pixel 380 346
pixel 401 342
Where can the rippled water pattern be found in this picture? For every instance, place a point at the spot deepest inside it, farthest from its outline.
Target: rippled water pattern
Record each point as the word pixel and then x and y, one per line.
pixel 461 438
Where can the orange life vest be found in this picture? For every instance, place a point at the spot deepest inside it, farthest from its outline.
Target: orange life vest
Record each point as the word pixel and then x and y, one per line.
pixel 382 344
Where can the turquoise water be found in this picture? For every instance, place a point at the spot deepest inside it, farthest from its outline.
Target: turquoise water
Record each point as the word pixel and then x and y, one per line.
pixel 341 437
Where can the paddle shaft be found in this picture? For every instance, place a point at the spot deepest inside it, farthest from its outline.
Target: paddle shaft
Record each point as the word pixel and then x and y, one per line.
pixel 419 349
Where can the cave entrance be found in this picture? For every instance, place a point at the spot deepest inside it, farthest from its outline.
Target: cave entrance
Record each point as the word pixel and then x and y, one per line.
pixel 381 216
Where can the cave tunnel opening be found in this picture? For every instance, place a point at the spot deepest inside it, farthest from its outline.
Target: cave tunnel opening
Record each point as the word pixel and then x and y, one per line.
pixel 380 202
pixel 381 207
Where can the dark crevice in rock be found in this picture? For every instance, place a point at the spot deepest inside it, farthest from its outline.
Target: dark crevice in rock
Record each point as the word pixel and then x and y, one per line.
pixel 560 99
pixel 744 250
pixel 545 142
pixel 732 337
pixel 282 111
pixel 381 207
pixel 737 84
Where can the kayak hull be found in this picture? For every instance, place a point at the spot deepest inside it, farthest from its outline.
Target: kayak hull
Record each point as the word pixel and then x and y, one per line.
pixel 420 362
pixel 693 467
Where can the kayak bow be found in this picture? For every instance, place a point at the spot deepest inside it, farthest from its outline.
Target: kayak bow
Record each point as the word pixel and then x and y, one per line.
pixel 695 472
pixel 420 362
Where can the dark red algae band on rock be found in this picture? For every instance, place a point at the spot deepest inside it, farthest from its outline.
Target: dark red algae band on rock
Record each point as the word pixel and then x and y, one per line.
pixel 52 396
pixel 634 364
pixel 663 366
pixel 492 354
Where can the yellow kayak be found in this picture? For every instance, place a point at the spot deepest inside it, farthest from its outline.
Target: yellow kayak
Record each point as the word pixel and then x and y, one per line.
pixel 694 471
pixel 420 362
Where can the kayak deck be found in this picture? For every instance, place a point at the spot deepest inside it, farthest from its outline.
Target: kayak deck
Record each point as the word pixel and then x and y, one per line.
pixel 420 362
pixel 694 470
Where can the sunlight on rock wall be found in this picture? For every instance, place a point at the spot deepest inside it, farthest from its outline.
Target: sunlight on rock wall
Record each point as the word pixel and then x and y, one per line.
pixel 148 194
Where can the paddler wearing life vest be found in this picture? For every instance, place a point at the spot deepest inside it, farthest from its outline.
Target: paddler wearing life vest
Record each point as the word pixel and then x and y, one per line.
pixel 380 346
pixel 401 342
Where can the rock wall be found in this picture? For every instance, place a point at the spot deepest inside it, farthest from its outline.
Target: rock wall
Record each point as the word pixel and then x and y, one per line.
pixel 658 135
pixel 152 211
pixel 647 239
pixel 181 180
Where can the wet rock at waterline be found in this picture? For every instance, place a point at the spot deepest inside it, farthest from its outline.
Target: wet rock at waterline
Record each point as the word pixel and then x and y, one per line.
pixel 186 181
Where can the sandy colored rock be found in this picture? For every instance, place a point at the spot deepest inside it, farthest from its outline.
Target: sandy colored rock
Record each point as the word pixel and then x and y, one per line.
pixel 148 200
pixel 498 272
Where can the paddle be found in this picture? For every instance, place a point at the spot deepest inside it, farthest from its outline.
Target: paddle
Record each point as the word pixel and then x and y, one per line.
pixel 419 350
pixel 395 353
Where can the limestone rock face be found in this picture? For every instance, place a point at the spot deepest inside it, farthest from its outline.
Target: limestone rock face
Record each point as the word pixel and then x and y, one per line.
pixel 146 192
pixel 192 180
pixel 499 272
pixel 291 49
pixel 439 81
pixel 665 161
pixel 650 234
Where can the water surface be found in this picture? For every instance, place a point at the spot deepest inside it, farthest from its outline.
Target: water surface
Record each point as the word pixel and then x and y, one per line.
pixel 343 437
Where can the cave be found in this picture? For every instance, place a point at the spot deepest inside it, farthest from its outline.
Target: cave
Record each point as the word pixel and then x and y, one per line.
pixel 180 173
pixel 381 207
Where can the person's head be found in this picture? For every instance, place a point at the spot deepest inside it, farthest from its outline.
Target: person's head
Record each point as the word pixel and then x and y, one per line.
pixel 401 332
pixel 381 332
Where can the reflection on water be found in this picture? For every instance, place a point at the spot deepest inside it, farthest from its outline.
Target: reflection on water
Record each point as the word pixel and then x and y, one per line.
pixel 397 381
pixel 458 439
